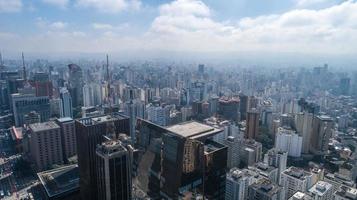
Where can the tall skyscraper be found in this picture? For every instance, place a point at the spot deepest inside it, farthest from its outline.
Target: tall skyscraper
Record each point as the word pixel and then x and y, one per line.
pixel 243 106
pixel 252 129
pixel 183 156
pixel 89 133
pixel 323 128
pixel 234 145
pixel 66 103
pixel 68 137
pixel 23 104
pixel 113 171
pixel 76 84
pixel 287 140
pixel 45 145
pixel 42 84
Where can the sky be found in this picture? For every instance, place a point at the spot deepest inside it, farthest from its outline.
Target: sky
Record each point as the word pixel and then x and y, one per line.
pixel 186 27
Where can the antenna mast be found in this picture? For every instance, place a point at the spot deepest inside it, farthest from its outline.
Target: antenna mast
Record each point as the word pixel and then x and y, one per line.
pixel 23 67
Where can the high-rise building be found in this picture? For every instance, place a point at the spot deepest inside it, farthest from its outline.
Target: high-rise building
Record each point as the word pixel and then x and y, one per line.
pixel 45 144
pixel 264 189
pixel 68 137
pixel 234 145
pixel 323 129
pixel 76 84
pixel 251 152
pixel 252 129
pixel 89 133
pixel 23 104
pixel 66 103
pixel 183 156
pixel 113 171
pixel 321 191
pixel 287 140
pixel 229 108
pixel 304 122
pixel 266 171
pixel 42 84
pixel 295 179
pixel 237 182
pixel 278 159
pixel 345 85
pixel 243 106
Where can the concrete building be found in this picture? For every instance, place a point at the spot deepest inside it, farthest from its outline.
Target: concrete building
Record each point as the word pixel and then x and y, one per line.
pixel 345 193
pixel 89 133
pixel 45 145
pixel 252 130
pixel 68 137
pixel 278 159
pixel 321 191
pixel 234 145
pixel 23 104
pixel 251 152
pixel 265 171
pixel 323 130
pixel 113 171
pixel 66 109
pixel 264 189
pixel 301 196
pixel 287 140
pixel 237 182
pixel 295 179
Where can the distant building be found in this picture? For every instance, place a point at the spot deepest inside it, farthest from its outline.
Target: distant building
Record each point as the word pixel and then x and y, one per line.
pixel 45 145
pixel 66 109
pixel 24 104
pixel 252 130
pixel 323 129
pixel 76 84
pixel 287 140
pixel 229 108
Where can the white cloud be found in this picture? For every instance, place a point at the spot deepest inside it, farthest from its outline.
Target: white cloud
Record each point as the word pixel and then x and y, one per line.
pixel 10 6
pixel 190 26
pixel 58 25
pixel 102 26
pixel 59 3
pixel 316 3
pixel 110 6
pixel 45 24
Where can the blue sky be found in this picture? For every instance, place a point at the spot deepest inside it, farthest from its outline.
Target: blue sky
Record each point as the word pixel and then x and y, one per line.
pixel 93 26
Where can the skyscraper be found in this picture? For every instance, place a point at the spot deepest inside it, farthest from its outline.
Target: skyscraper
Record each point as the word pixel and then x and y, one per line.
pixel 295 179
pixel 278 159
pixel 45 144
pixel 76 84
pixel 323 128
pixel 66 103
pixel 252 129
pixel 89 133
pixel 68 137
pixel 23 104
pixel 113 171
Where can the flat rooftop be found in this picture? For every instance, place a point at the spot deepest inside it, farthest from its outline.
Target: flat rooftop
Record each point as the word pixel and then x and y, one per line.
pixel 320 188
pixel 65 119
pixel 100 119
pixel 43 126
pixel 60 181
pixel 193 129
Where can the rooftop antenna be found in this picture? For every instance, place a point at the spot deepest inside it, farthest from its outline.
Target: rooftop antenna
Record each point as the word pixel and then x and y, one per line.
pixel 23 67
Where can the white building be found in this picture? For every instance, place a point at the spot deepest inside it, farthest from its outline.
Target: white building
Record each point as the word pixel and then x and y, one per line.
pixel 295 179
pixel 287 140
pixel 321 191
pixel 278 159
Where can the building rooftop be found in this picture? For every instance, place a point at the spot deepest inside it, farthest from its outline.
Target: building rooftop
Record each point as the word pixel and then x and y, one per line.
pixel 43 126
pixel 60 181
pixel 297 173
pixel 110 148
pixel 266 186
pixel 16 133
pixel 300 196
pixel 65 119
pixel 320 188
pixel 89 121
pixel 193 129
pixel 347 192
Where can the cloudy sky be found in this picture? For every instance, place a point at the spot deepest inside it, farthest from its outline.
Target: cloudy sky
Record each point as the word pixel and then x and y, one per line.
pixel 190 26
